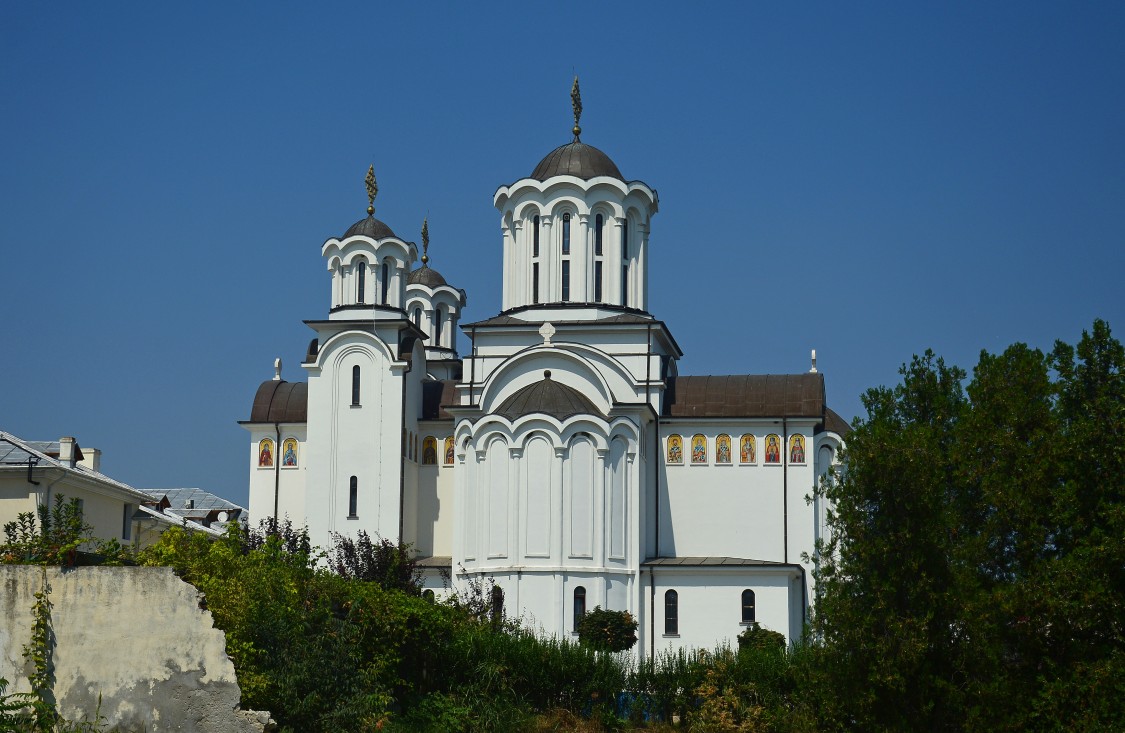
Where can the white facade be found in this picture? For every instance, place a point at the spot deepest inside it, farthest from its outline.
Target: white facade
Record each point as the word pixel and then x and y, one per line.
pixel 547 460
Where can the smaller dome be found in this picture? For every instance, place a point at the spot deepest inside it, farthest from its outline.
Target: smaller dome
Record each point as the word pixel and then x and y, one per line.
pixel 576 159
pixel 425 275
pixel 549 398
pixel 370 227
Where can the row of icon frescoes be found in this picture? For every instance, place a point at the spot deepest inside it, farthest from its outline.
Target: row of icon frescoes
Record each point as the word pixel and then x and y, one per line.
pixel 747 449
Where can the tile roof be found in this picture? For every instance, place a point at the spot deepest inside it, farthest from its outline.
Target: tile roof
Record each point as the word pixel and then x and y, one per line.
pixel 746 395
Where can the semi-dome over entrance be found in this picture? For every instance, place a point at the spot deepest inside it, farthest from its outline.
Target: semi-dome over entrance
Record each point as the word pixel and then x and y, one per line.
pixel 576 159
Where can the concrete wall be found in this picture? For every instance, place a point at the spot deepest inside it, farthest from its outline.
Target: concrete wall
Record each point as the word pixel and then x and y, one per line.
pixel 136 637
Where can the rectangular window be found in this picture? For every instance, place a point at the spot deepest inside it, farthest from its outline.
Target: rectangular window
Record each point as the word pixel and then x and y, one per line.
pixel 355 386
pixel 535 283
pixel 535 237
pixel 127 522
pixel 624 283
pixel 598 229
pixel 353 497
pixel 566 280
pixel 566 234
pixel 597 282
pixel 671 612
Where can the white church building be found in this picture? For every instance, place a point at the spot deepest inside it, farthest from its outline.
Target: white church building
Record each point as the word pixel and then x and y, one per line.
pixel 564 456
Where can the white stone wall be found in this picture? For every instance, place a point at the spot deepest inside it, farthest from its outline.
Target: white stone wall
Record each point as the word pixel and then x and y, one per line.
pixel 130 643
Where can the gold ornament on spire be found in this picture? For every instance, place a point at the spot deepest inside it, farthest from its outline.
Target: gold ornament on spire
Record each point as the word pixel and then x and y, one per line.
pixel 576 102
pixel 425 240
pixel 372 190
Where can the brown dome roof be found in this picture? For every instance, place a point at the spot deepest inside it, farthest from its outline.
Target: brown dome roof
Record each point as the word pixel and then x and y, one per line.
pixel 280 401
pixel 370 227
pixel 548 397
pixel 576 159
pixel 426 275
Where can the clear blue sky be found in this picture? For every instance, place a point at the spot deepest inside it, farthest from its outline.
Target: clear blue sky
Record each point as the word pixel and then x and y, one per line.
pixel 865 179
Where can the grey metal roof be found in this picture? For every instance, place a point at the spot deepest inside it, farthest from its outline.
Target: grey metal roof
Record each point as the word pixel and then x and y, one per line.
pixel 699 561
pixel 279 401
pixel 548 397
pixel 746 395
pixel 369 227
pixel 510 320
pixel 426 275
pixel 576 159
pixel 15 451
pixel 437 561
pixel 205 501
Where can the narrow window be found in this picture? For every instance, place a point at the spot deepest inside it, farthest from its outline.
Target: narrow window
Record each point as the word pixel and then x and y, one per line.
pixel 360 282
pixel 566 234
pixel 385 281
pixel 579 605
pixel 437 327
pixel 535 236
pixel 497 605
pixel 353 497
pixel 599 223
pixel 127 522
pixel 671 612
pixel 747 606
pixel 355 385
pixel 597 282
pixel 566 280
pixel 418 318
pixel 535 283
pixel 625 264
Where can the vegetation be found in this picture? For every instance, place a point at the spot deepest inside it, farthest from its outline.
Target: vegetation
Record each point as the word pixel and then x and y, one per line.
pixel 608 631
pixel 974 579
pixel 976 576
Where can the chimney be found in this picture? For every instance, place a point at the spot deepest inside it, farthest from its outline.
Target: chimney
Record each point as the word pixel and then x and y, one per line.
pixel 68 449
pixel 91 459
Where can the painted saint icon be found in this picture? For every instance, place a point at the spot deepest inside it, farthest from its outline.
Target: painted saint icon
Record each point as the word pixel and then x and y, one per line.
pixel 773 448
pixel 722 449
pixel 289 454
pixel 698 449
pixel 746 449
pixel 449 451
pixel 797 449
pixel 265 453
pixel 675 449
pixel 429 451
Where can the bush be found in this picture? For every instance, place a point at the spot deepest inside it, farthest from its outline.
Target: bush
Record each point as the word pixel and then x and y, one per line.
pixel 610 631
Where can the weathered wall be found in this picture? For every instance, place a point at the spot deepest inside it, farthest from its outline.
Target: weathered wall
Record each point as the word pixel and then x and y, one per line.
pixel 136 637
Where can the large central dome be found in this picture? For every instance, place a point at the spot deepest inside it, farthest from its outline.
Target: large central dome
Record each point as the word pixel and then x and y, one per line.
pixel 576 159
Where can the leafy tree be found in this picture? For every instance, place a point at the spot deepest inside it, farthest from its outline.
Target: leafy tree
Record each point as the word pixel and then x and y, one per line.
pixel 975 573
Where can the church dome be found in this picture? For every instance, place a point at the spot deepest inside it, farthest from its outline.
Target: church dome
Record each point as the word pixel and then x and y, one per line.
pixel 370 227
pixel 426 275
pixel 576 159
pixel 549 398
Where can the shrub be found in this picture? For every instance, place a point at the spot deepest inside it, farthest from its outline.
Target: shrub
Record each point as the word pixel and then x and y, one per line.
pixel 604 630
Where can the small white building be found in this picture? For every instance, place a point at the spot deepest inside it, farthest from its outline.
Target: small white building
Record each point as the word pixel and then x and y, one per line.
pixel 565 456
pixel 35 473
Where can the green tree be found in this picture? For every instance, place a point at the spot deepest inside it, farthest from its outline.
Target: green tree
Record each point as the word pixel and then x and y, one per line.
pixel 974 579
